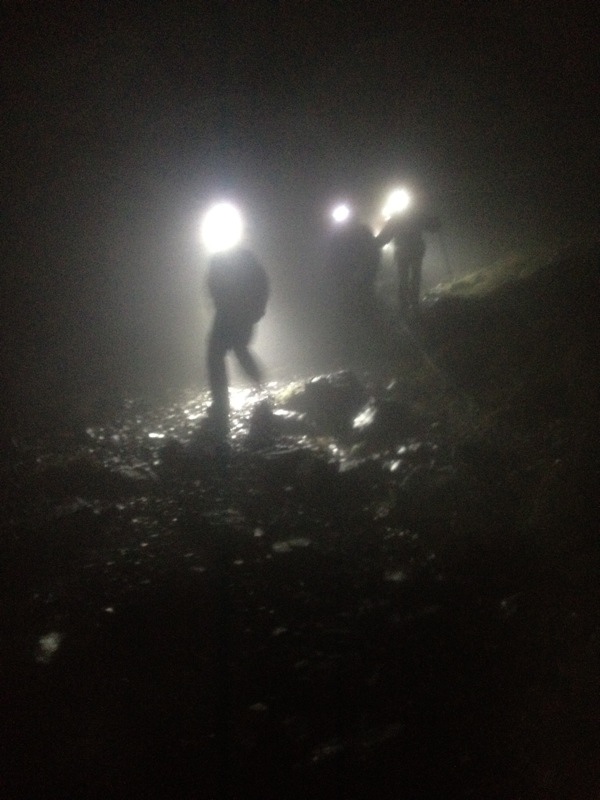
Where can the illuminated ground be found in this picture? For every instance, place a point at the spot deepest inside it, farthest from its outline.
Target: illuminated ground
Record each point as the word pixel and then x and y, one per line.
pixel 384 589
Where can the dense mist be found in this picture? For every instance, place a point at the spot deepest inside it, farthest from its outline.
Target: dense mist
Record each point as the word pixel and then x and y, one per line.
pixel 121 127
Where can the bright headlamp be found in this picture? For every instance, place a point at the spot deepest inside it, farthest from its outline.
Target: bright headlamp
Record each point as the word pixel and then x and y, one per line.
pixel 222 228
pixel 398 201
pixel 341 213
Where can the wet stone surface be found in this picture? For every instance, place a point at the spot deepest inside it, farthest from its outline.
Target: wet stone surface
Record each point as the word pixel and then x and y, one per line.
pixel 346 599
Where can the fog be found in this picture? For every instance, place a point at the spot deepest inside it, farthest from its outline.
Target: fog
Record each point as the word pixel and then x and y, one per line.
pixel 121 131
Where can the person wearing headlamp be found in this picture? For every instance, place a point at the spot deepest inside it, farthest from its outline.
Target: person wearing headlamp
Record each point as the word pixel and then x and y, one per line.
pixel 239 288
pixel 353 261
pixel 405 227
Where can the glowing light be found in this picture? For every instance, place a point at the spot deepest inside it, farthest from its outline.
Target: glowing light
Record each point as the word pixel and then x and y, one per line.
pixel 397 202
pixel 222 228
pixel 341 213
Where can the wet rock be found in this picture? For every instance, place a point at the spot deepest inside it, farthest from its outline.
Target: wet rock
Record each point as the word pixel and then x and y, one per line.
pixel 288 545
pixel 84 477
pixel 173 455
pixel 364 595
pixel 384 421
pixel 291 423
pixel 208 444
pixel 330 402
pixel 263 426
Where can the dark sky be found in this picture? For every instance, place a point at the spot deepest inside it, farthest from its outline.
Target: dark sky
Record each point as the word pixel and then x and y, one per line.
pixel 120 121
